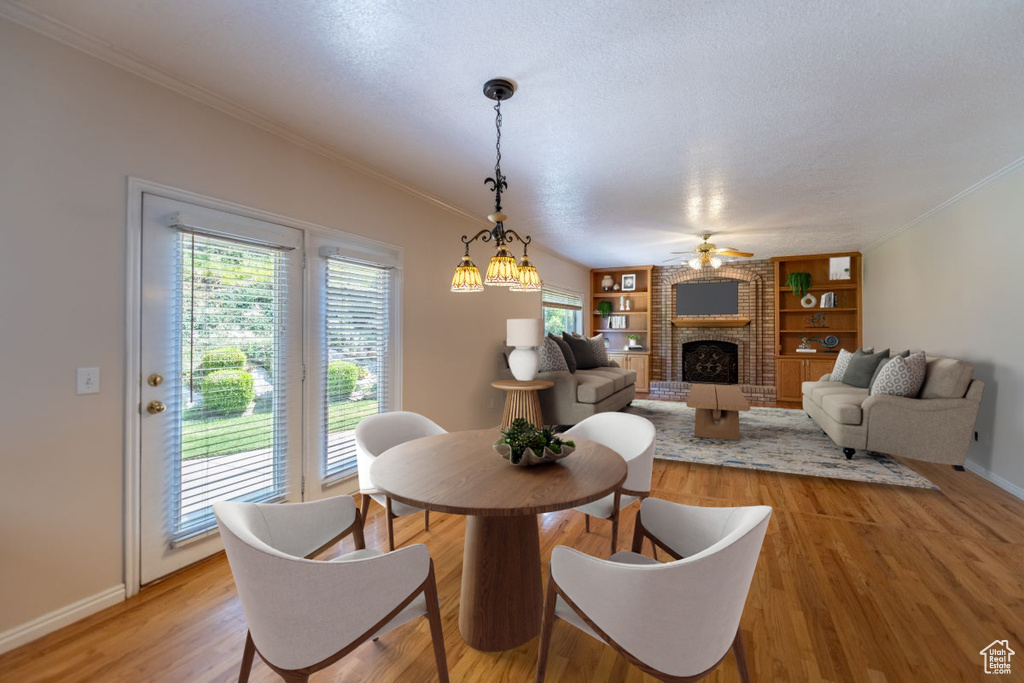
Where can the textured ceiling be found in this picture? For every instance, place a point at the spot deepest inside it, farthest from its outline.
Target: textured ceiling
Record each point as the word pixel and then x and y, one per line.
pixel 781 127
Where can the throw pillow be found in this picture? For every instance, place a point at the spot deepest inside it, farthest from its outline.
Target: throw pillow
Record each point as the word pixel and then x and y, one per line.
pixel 901 376
pixel 551 358
pixel 570 360
pixel 581 351
pixel 843 360
pixel 862 368
pixel 600 352
pixel 881 365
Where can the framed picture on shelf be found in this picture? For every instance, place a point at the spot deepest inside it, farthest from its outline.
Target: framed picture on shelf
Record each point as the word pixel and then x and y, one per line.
pixel 629 283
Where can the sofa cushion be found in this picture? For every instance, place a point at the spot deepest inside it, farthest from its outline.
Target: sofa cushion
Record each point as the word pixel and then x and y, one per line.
pixel 819 393
pixel 807 387
pixel 844 406
pixel 593 387
pixel 599 349
pixel 551 357
pixel 946 378
pixel 570 360
pixel 900 376
pixel 582 351
pixel 621 377
pixel 862 368
pixel 904 354
pixel 842 360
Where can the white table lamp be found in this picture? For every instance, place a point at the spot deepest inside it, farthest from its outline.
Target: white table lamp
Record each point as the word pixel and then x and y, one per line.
pixel 526 334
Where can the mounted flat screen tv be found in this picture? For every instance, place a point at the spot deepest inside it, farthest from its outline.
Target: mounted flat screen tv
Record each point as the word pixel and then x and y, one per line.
pixel 708 298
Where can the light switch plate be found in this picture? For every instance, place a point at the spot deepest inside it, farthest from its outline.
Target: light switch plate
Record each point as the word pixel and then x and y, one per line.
pixel 88 381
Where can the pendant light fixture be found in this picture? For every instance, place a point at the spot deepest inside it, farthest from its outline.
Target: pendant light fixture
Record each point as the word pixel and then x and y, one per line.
pixel 502 271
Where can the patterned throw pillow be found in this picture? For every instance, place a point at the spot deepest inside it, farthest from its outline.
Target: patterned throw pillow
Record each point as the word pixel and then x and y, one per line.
pixel 551 358
pixel 600 352
pixel 842 362
pixel 901 376
pixel 570 360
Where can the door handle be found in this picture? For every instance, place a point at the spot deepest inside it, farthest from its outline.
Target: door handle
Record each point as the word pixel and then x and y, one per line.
pixel 155 407
pixel 155 380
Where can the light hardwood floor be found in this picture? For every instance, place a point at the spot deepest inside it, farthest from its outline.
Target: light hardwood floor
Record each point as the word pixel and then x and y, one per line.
pixel 856 582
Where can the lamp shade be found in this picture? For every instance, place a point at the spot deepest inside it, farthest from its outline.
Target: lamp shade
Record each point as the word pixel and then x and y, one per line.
pixel 502 270
pixel 529 278
pixel 467 277
pixel 524 332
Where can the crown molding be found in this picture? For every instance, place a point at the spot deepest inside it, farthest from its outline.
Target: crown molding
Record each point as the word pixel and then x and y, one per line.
pixel 72 37
pixel 963 194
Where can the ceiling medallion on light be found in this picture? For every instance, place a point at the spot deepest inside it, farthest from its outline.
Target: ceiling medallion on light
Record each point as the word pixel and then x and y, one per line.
pixel 502 271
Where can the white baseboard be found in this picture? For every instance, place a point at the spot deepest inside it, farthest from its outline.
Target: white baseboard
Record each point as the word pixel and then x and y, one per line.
pixel 1004 484
pixel 58 618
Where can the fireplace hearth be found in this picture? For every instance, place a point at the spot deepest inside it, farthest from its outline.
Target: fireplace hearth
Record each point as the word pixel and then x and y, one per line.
pixel 710 361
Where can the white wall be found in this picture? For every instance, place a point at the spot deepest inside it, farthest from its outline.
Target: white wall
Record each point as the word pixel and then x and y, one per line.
pixel 72 129
pixel 953 285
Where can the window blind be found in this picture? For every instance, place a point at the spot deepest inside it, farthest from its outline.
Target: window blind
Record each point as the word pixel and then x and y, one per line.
pixel 231 439
pixel 553 297
pixel 357 320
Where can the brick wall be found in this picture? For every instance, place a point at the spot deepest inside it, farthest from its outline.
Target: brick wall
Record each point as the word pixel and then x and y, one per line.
pixel 756 341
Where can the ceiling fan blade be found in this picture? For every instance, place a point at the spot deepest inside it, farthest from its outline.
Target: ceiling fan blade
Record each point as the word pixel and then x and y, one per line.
pixel 733 252
pixel 674 258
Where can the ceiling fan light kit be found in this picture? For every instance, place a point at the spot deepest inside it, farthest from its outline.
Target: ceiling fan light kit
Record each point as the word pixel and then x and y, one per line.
pixel 708 254
pixel 502 271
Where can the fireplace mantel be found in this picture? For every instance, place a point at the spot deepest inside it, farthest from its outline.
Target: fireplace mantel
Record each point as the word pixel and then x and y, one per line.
pixel 696 321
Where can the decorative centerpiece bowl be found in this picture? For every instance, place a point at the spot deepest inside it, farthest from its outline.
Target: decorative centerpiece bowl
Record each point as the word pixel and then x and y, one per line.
pixel 523 444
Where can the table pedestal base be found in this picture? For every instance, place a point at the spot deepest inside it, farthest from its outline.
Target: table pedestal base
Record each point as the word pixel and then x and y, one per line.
pixel 522 404
pixel 502 597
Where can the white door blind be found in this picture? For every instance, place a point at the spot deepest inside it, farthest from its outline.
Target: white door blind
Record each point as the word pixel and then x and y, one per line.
pixel 230 443
pixel 357 355
pixel 561 298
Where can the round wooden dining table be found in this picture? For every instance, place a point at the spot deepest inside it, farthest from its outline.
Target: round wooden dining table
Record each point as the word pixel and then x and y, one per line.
pixel 460 473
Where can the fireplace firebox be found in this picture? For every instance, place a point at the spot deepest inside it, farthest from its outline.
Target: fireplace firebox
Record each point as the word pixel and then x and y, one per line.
pixel 711 361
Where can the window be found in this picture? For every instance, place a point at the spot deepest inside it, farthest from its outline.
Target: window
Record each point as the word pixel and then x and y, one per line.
pixel 356 367
pixel 563 311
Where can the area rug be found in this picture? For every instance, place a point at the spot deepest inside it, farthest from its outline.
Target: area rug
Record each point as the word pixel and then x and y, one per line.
pixel 772 439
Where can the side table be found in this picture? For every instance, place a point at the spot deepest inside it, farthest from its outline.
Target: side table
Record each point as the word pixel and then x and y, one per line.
pixel 522 400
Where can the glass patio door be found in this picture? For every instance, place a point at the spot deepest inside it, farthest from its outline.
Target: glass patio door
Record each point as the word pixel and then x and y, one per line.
pixel 221 360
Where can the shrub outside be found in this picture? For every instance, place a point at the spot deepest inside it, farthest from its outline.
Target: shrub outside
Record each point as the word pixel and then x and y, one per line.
pixel 341 379
pixel 222 359
pixel 227 392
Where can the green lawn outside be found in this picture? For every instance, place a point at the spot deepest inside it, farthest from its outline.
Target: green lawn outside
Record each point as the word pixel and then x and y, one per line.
pixel 206 438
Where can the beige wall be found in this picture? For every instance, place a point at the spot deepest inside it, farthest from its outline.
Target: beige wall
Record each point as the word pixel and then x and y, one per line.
pixel 953 285
pixel 72 128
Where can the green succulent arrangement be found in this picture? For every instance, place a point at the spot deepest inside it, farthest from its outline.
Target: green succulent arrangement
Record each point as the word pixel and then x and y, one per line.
pixel 799 283
pixel 604 308
pixel 521 435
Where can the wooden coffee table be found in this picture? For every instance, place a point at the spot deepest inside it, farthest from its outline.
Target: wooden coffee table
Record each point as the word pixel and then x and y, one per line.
pixel 718 410
pixel 460 473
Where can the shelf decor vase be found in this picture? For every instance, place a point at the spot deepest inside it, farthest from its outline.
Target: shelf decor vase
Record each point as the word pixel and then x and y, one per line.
pixel 529 458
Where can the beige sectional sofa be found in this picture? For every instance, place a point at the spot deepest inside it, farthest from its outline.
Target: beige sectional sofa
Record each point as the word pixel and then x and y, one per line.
pixel 935 426
pixel 577 396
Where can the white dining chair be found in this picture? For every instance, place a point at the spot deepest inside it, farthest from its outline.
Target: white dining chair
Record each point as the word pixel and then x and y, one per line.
pixel 632 437
pixel 376 434
pixel 675 621
pixel 304 615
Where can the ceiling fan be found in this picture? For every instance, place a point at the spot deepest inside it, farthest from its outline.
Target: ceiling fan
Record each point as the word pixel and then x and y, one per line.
pixel 708 253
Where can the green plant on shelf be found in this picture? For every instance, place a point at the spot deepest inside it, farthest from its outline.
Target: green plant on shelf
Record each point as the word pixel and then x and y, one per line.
pixel 799 283
pixel 604 308
pixel 633 337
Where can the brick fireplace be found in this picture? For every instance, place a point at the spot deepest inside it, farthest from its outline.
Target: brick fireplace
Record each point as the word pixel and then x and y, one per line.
pixel 751 345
